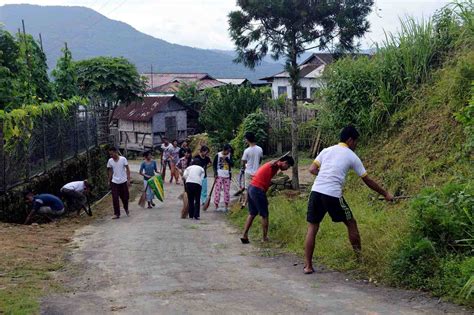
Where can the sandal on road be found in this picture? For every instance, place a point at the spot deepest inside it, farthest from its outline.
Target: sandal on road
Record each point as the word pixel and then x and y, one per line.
pixel 244 240
pixel 308 271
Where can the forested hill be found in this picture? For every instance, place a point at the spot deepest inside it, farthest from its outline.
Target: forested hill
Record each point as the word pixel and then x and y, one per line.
pixel 91 34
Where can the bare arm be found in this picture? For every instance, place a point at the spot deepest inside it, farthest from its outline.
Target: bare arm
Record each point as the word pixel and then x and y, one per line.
pixel 128 174
pixel 110 173
pixel 377 188
pixel 314 169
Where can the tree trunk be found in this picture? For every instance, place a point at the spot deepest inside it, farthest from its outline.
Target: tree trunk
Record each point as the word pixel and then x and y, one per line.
pixel 294 79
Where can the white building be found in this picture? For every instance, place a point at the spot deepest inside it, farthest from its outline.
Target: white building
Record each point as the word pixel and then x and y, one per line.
pixel 311 71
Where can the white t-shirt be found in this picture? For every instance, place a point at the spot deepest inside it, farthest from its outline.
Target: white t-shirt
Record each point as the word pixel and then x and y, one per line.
pixel 334 164
pixel 223 167
pixel 194 174
pixel 167 150
pixel 252 155
pixel 75 186
pixel 119 172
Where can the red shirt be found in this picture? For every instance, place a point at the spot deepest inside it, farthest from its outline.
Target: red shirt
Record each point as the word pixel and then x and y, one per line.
pixel 262 179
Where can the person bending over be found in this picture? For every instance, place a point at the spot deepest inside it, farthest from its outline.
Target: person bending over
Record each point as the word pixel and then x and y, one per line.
pixel 331 167
pixel 43 204
pixel 75 194
pixel 257 194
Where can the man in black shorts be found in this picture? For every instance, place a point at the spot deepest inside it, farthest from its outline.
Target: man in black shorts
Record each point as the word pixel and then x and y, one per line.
pixel 331 167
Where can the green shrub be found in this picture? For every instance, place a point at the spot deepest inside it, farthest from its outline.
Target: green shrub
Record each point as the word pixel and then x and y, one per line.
pixel 416 264
pixel 255 122
pixel 446 217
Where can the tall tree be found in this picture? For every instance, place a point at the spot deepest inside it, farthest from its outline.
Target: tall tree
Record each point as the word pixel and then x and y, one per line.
pixel 9 68
pixel 65 77
pixel 34 70
pixel 287 28
pixel 109 80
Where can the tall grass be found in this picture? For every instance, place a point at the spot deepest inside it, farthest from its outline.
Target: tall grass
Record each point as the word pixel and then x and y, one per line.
pixel 366 92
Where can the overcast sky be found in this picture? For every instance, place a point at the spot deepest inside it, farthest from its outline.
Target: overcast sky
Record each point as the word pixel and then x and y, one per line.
pixel 203 23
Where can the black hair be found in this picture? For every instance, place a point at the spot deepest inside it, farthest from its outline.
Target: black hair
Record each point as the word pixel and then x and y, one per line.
pixel 204 148
pixel 174 141
pixel 26 193
pixel 288 159
pixel 146 153
pixel 113 149
pixel 349 132
pixel 188 150
pixel 227 147
pixel 250 136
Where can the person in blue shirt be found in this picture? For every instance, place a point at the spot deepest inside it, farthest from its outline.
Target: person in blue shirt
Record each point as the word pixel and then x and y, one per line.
pixel 43 204
pixel 148 168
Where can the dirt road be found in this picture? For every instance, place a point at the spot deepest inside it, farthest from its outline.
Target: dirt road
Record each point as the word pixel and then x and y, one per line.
pixel 153 262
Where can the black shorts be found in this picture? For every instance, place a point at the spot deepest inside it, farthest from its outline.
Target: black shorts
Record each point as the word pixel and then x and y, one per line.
pixel 319 204
pixel 257 201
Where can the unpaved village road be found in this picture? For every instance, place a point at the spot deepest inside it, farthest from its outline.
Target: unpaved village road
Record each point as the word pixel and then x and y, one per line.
pixel 153 262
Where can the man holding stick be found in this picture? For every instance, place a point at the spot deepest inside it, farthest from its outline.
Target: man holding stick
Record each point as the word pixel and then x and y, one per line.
pixel 331 167
pixel 257 194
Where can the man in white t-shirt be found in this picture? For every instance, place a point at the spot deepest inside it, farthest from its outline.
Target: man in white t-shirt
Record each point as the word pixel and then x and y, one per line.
pixel 331 167
pixel 251 160
pixel 119 179
pixel 75 194
pixel 166 149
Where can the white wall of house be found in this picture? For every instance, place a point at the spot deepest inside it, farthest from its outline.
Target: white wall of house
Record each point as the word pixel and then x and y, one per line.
pixel 306 83
pixel 134 135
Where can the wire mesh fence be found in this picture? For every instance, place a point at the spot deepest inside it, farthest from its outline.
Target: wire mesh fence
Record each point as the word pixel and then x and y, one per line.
pixel 55 138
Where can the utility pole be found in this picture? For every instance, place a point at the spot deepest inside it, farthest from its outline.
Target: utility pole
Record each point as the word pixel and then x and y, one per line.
pixel 41 43
pixel 151 76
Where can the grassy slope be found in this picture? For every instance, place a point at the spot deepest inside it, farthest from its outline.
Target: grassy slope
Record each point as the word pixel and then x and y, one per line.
pixel 421 148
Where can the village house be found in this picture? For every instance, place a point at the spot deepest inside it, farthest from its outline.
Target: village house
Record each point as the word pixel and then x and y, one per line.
pixel 141 125
pixel 311 71
pixel 163 83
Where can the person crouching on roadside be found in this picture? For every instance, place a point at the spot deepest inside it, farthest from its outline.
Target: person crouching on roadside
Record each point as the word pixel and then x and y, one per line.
pixel 43 204
pixel 75 194
pixel 193 177
pixel 257 194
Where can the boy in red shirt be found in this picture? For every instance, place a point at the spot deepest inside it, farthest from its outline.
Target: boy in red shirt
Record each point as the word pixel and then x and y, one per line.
pixel 257 197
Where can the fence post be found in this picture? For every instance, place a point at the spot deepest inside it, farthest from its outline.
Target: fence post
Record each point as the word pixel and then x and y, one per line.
pixel 3 183
pixel 76 133
pixel 60 139
pixel 43 130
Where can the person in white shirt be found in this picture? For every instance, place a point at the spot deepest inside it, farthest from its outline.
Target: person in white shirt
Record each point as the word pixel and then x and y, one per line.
pixel 119 179
pixel 331 167
pixel 193 176
pixel 75 194
pixel 251 160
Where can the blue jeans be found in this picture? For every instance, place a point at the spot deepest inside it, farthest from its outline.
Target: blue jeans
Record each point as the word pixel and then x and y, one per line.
pixel 204 190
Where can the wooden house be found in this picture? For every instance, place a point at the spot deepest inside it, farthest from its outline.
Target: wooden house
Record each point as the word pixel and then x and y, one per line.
pixel 141 125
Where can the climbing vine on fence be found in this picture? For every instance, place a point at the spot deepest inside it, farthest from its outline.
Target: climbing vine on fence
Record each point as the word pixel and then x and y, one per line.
pixel 18 124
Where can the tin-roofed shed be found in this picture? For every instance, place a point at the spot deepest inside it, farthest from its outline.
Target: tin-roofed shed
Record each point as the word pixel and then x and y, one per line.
pixel 141 125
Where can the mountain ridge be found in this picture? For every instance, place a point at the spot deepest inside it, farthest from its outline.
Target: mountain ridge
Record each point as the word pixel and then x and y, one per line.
pixel 90 34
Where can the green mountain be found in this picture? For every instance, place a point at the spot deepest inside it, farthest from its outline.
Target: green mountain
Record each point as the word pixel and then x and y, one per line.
pixel 89 34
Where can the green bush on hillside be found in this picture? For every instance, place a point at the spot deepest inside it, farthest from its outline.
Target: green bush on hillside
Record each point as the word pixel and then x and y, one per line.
pixel 438 256
pixel 255 122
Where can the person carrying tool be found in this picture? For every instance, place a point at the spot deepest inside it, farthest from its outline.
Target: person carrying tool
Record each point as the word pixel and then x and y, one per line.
pixel 331 167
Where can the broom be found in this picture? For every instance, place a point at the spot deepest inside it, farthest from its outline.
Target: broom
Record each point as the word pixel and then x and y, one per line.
pixel 208 200
pixel 142 200
pixel 185 209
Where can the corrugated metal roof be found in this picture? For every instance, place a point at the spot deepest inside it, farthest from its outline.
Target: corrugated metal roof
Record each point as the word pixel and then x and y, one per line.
pixel 234 81
pixel 174 85
pixel 160 79
pixel 143 110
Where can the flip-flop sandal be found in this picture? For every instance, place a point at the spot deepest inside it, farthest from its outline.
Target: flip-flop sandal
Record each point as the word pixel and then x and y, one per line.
pixel 244 240
pixel 308 272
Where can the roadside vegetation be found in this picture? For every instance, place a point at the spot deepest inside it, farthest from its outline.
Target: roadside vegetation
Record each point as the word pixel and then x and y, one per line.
pixel 412 102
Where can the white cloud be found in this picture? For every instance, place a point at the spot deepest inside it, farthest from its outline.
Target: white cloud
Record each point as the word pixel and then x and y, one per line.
pixel 203 23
